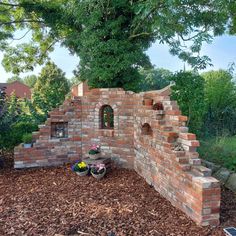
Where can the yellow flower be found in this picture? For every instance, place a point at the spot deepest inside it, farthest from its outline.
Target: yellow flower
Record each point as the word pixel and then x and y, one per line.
pixel 82 164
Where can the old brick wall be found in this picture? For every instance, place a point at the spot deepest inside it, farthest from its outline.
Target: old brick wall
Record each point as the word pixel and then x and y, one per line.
pixel 156 143
pixel 48 151
pixel 176 174
pixel 116 143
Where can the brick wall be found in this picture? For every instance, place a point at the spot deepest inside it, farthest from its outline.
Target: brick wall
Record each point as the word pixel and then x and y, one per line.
pixel 156 143
pixel 116 143
pixel 48 151
pixel 168 160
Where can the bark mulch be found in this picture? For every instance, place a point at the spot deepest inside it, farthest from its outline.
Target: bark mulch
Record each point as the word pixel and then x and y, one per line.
pixel 56 201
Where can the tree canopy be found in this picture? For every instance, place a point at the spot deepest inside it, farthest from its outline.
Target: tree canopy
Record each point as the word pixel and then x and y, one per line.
pixel 189 93
pixel 50 88
pixel 220 99
pixel 111 37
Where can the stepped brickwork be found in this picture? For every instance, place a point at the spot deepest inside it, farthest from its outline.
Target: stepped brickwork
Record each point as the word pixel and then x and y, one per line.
pixel 152 139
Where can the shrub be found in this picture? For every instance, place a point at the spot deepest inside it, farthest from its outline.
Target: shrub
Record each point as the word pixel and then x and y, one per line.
pixel 189 93
pixel 220 100
pixel 220 150
pixel 27 138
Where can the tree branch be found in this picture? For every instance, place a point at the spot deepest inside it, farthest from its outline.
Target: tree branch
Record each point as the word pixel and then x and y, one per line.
pixel 23 35
pixel 140 34
pixel 9 4
pixel 194 36
pixel 20 21
pixel 146 17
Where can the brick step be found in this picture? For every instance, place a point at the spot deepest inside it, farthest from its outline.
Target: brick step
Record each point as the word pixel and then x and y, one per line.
pixel 41 126
pixel 182 160
pixel 160 125
pixel 169 136
pixel 35 135
pixel 193 174
pixel 179 153
pixel 201 171
pixel 166 128
pixel 195 161
pixel 185 167
pixel 56 112
pixel 57 116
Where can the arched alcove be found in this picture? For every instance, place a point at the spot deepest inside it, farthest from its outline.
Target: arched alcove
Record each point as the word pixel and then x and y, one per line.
pixel 106 116
pixel 146 129
pixel 158 106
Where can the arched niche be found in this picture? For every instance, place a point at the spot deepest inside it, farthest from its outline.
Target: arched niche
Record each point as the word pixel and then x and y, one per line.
pixel 158 106
pixel 146 129
pixel 106 117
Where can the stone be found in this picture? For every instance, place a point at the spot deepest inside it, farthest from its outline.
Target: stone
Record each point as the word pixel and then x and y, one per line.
pixel 231 182
pixel 222 175
pixel 214 168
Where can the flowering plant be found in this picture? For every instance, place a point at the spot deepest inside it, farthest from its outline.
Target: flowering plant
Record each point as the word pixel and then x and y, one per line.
pixel 98 169
pixel 94 149
pixel 80 167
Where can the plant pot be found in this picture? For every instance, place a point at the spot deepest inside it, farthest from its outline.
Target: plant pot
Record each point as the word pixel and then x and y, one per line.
pixel 99 176
pixel 27 145
pixel 148 101
pixel 94 156
pixel 82 173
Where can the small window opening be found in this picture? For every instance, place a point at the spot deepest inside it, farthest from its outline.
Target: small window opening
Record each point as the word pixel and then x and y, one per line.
pixel 107 117
pixel 59 130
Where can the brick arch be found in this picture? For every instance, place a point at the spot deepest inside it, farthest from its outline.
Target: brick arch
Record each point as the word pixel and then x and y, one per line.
pixel 99 106
pixel 146 129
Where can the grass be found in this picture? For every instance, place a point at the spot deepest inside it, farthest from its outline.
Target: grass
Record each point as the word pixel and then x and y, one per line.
pixel 220 150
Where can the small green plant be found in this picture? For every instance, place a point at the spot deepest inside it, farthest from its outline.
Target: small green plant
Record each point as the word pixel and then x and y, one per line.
pixel 27 138
pixel 95 149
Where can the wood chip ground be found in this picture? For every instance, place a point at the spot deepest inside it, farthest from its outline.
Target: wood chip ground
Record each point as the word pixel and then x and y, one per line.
pixel 56 201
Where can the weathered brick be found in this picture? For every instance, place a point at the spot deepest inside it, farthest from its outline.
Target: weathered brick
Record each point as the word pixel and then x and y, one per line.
pixel 174 174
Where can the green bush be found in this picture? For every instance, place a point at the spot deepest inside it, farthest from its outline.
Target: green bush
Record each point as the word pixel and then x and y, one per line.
pixel 220 100
pixel 188 91
pixel 27 138
pixel 14 135
pixel 220 150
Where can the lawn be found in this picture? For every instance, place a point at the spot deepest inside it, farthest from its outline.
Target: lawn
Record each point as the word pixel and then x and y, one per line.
pixel 220 150
pixel 57 201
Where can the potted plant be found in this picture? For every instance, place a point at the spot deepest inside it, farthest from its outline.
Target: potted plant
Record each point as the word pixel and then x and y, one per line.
pixel 148 101
pixel 80 168
pixel 98 171
pixel 94 152
pixel 27 140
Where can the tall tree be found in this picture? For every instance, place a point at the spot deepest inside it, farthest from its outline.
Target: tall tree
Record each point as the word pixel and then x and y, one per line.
pixel 189 93
pixel 14 78
pixel 220 97
pixel 30 80
pixel 111 37
pixel 50 88
pixel 154 79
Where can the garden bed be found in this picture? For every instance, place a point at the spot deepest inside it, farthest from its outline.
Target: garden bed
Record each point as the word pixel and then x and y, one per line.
pixel 57 201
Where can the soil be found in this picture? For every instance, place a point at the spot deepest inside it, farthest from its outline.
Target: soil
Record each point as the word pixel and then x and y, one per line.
pixel 56 201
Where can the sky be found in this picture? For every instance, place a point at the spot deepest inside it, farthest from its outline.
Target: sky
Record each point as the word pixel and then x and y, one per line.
pixel 222 52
